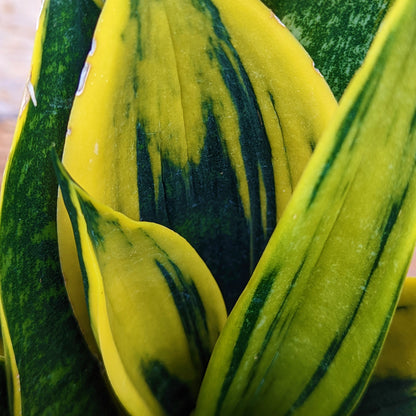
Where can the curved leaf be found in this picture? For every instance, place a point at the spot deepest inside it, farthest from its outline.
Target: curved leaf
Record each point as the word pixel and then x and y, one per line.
pixel 184 120
pixel 47 355
pixel 154 306
pixel 304 337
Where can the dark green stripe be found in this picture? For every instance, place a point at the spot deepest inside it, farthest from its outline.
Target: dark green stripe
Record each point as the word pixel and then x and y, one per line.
pixel 336 343
pixel 201 203
pixel 134 15
pixel 92 218
pixel 289 170
pixel 145 177
pixel 172 393
pixel 217 25
pixel 70 208
pixel 272 327
pixel 352 398
pixel 191 312
pixel 277 320
pixel 412 124
pixel 255 148
pixel 251 316
pixel 134 9
pixel 249 323
pixel 353 119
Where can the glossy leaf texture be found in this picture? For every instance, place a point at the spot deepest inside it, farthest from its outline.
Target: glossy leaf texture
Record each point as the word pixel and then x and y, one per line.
pixel 336 33
pixel 50 370
pixel 305 335
pixel 181 119
pixel 156 311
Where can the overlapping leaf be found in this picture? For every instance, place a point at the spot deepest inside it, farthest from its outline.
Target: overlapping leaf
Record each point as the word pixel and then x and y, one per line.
pixel 50 368
pixel 182 120
pixel 304 336
pixel 155 309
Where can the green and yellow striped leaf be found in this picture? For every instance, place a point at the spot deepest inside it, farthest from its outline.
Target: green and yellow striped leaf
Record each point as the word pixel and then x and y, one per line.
pixel 305 335
pixel 336 33
pixel 199 115
pixel 50 370
pixel 154 306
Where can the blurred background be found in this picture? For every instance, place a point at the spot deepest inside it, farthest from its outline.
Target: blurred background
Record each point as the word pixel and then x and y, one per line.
pixel 17 30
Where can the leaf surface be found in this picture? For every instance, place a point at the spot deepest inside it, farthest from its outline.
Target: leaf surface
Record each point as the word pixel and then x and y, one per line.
pixel 153 304
pixel 336 33
pixel 50 369
pixel 182 120
pixel 319 304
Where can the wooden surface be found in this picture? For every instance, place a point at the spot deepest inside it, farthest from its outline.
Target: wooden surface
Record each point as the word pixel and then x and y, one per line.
pixel 17 29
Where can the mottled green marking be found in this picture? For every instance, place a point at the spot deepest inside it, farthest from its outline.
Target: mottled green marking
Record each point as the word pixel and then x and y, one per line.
pixel 336 33
pixel 57 374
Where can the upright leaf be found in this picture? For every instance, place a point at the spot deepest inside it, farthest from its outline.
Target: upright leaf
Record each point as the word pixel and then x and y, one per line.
pixel 304 336
pixel 50 362
pixel 155 309
pixel 199 115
